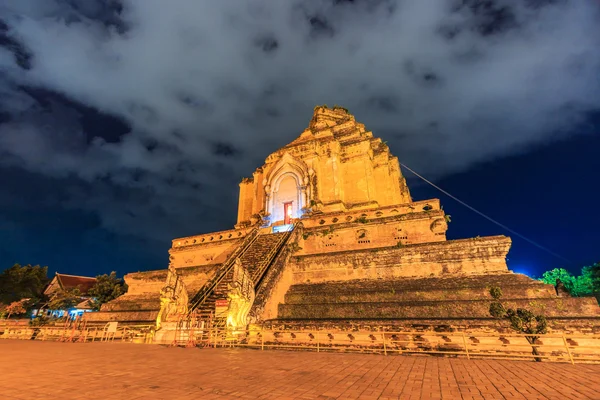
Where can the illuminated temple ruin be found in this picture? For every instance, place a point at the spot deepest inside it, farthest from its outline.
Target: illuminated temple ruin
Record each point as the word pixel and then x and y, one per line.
pixel 328 233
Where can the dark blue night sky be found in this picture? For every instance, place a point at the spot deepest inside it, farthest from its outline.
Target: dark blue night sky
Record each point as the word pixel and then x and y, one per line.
pixel 544 194
pixel 547 194
pixel 125 124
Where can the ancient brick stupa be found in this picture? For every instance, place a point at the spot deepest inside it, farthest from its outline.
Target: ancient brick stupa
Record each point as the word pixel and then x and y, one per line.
pixel 328 233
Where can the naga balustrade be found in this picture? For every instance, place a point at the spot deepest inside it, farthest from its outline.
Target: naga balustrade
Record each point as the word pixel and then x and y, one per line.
pixel 205 291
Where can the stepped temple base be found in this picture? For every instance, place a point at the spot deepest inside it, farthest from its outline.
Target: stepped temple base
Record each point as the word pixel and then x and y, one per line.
pixel 353 250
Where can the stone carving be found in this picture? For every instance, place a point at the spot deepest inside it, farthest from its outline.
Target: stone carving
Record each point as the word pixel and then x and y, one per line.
pixel 439 226
pixel 241 296
pixel 173 299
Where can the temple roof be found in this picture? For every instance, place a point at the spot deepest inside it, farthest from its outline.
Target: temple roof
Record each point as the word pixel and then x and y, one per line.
pixel 64 281
pixel 332 123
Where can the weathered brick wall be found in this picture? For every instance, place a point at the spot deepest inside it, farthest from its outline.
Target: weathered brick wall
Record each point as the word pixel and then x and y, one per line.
pixel 207 249
pixel 438 309
pixel 461 301
pixel 350 165
pixel 345 232
pixel 465 256
pixel 195 277
pixel 141 303
pixel 145 282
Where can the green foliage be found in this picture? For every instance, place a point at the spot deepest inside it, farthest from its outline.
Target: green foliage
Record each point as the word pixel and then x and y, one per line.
pixel 399 244
pixel 65 299
pixel 521 320
pixel 362 220
pixel 327 231
pixel 525 321
pixel 294 247
pixel 496 292
pixel 585 284
pixel 497 310
pixel 23 282
pixel 107 288
pixel 41 320
pixel 306 235
pixel 593 272
pixel 551 276
pixel 448 218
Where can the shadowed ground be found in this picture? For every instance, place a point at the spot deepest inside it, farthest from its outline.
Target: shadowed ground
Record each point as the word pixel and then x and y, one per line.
pixel 49 370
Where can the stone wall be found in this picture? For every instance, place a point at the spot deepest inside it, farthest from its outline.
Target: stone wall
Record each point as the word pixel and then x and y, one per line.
pixel 139 283
pixel 205 250
pixel 465 256
pixel 441 303
pixel 195 277
pixel 359 232
pixel 337 164
pixel 140 304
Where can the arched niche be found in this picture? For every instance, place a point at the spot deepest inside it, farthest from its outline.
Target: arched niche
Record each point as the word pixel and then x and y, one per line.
pixel 287 185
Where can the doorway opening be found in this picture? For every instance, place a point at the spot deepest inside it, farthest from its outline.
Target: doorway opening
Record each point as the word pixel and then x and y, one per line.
pixel 287 213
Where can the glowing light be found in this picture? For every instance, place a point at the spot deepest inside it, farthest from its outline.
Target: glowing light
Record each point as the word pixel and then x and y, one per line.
pixel 282 228
pixel 522 270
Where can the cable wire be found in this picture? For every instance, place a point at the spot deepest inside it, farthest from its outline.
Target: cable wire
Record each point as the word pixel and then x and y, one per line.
pixel 489 218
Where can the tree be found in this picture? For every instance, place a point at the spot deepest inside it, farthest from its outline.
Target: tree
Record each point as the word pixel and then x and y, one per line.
pixel 585 284
pixel 593 274
pixel 65 299
pixel 550 277
pixel 16 308
pixel 106 288
pixel 521 320
pixel 23 282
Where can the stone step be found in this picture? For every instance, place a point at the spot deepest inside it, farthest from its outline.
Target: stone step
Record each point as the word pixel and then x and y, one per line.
pixel 251 259
pixel 551 307
pixel 150 301
pixel 487 324
pixel 387 294
pixel 257 251
pixel 503 280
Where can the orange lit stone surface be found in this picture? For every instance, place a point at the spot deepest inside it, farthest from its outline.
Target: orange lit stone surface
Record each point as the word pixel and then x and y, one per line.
pixel 360 229
pixel 108 371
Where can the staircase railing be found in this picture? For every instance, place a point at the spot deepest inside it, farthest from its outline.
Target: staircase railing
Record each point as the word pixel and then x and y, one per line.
pixel 209 286
pixel 264 287
pixel 271 255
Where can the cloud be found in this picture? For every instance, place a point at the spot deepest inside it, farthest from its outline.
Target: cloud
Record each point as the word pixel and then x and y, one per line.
pixel 208 89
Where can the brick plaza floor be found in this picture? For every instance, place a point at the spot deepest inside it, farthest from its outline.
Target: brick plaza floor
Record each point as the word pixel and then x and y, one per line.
pixel 50 370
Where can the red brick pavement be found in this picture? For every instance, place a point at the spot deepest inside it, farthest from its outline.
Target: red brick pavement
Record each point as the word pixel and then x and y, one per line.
pixel 109 371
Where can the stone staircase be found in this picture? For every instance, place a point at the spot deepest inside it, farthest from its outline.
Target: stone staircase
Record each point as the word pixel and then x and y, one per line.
pixel 255 259
pixel 220 292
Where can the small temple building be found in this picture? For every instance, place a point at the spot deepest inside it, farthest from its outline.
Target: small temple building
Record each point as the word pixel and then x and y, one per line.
pixel 327 233
pixel 62 282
